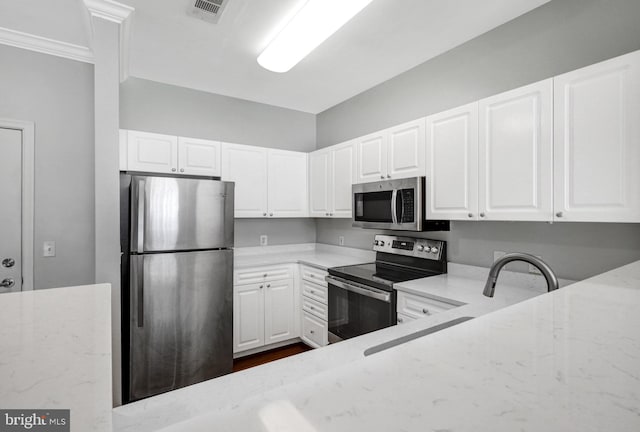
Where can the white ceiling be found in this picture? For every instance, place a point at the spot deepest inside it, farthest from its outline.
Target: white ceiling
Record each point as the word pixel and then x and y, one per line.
pixel 168 45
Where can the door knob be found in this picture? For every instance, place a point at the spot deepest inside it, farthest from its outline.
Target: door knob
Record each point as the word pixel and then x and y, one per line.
pixel 7 283
pixel 8 262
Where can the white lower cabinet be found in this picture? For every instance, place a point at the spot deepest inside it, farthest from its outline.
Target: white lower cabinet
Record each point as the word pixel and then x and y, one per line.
pixel 412 306
pixel 267 311
pixel 314 306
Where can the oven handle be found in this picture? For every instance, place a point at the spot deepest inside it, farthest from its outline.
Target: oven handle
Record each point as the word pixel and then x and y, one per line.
pixel 394 197
pixel 359 289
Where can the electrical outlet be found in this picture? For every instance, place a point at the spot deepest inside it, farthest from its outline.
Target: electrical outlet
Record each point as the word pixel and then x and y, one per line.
pixel 341 240
pixel 534 269
pixel 49 249
pixel 264 240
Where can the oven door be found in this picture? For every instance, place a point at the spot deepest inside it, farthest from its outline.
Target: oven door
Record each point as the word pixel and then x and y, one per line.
pixel 356 309
pixel 389 204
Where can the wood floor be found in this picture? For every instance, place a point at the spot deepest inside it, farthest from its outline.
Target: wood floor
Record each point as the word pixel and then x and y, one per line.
pixel 268 356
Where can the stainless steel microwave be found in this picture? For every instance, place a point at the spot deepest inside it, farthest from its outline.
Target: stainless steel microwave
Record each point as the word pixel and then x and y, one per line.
pixel 393 205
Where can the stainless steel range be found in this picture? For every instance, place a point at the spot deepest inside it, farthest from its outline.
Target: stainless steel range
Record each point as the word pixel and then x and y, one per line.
pixel 362 298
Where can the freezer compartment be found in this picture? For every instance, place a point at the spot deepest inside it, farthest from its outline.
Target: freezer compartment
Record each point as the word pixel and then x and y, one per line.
pixel 172 214
pixel 180 320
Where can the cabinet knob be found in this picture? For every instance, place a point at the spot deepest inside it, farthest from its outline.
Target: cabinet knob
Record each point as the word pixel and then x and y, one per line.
pixel 270 214
pixel 388 175
pixel 330 214
pixel 426 311
pixel 312 292
pixel 470 215
pixel 326 214
pixel 400 319
pixel 311 331
pixel 312 308
pixel 265 275
pixel 181 169
pixel 481 214
pixel 559 214
pixel 261 286
pixel 173 170
pixel 264 214
pixel 381 176
pixel 268 285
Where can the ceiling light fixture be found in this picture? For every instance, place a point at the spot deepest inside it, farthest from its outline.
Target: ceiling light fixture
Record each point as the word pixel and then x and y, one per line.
pixel 312 25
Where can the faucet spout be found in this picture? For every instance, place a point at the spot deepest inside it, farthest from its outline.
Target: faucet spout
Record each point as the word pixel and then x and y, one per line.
pixel 549 275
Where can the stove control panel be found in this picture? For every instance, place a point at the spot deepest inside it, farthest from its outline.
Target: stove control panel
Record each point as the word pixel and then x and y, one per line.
pixel 415 247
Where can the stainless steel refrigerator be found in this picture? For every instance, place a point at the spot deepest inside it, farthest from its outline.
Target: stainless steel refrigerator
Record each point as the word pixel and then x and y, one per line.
pixel 177 282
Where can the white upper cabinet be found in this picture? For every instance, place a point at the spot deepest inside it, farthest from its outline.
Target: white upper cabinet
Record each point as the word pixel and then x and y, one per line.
pixel 331 174
pixel 247 167
pixel 396 152
pixel 452 164
pixel 269 183
pixel 198 157
pixel 405 154
pixel 516 154
pixel 287 184
pixel 151 152
pixel 372 157
pixel 597 142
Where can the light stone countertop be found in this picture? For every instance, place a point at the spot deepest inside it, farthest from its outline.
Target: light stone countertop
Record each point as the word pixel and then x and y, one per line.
pixel 55 353
pixel 203 405
pixel 568 360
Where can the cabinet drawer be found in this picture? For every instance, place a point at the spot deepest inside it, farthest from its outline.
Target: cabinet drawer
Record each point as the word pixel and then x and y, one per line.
pixel 417 306
pixel 314 291
pixel 315 308
pixel 314 275
pixel 314 331
pixel 262 274
pixel 403 319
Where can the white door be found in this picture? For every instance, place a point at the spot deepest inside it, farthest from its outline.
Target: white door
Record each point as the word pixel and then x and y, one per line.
pixel 287 181
pixel 405 153
pixel 248 316
pixel 516 154
pixel 597 142
pixel 372 157
pixel 452 164
pixel 199 157
pixel 319 186
pixel 151 152
pixel 343 168
pixel 11 210
pixel 247 167
pixel 279 312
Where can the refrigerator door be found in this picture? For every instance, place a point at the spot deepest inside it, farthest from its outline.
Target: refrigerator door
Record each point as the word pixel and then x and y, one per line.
pixel 172 214
pixel 181 320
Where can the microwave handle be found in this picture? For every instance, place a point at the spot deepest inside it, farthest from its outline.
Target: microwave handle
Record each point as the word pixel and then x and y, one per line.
pixel 394 197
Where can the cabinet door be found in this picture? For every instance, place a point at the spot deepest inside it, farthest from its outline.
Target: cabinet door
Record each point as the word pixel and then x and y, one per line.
pixel 343 170
pixel 372 158
pixel 151 152
pixel 319 187
pixel 248 316
pixel 405 152
pixel 198 157
pixel 247 167
pixel 279 312
pixel 287 180
pixel 516 154
pixel 597 142
pixel 452 164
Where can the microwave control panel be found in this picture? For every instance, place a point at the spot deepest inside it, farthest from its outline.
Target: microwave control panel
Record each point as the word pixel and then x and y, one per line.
pixel 415 247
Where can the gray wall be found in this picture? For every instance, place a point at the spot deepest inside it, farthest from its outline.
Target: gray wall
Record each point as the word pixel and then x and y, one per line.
pixel 557 37
pixel 57 95
pixel 156 107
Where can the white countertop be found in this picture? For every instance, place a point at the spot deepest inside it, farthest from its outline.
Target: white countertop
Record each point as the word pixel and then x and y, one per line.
pixel 55 353
pixel 563 361
pixel 239 401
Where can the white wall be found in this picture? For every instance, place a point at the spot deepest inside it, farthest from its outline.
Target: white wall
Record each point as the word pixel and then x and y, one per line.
pixel 557 37
pixel 57 95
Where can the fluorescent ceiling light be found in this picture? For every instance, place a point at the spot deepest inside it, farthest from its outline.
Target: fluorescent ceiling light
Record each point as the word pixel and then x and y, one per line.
pixel 312 25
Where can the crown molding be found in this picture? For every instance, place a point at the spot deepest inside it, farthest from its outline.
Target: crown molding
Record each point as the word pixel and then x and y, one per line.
pixel 109 10
pixel 45 45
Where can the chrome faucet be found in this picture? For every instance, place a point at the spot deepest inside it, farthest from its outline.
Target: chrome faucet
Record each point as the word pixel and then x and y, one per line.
pixel 490 286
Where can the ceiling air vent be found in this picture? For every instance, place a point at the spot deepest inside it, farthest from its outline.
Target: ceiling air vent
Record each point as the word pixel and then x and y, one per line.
pixel 208 10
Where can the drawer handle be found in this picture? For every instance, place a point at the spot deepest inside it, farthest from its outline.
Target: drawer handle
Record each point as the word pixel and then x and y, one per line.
pixel 312 291
pixel 400 320
pixel 426 311
pixel 311 331
pixel 265 275
pixel 312 308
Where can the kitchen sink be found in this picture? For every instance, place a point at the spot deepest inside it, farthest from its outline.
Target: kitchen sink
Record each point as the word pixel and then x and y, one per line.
pixel 416 335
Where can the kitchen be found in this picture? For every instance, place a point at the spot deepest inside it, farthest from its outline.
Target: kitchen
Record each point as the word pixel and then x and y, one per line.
pixel 552 40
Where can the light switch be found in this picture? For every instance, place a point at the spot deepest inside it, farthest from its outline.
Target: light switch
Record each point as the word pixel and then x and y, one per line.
pixel 49 249
pixel 264 240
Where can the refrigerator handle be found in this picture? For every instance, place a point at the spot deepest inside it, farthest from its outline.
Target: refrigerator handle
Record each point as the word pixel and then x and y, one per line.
pixel 138 283
pixel 140 221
